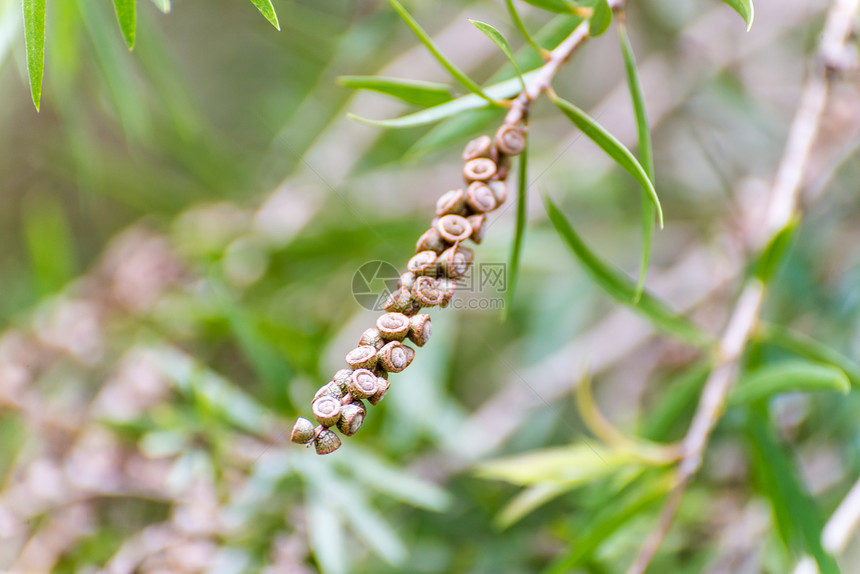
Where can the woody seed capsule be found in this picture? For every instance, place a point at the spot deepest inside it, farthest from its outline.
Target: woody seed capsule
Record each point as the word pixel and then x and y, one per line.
pixel 480 197
pixel 453 201
pixel 479 227
pixel 479 169
pixel 510 140
pixel 395 356
pixel 406 280
pixel 426 292
pixel 423 263
pixel 454 228
pixel 393 326
pixel 363 383
pixel 500 191
pixel 326 410
pixel 351 418
pixel 478 147
pixel 303 431
pixel 419 329
pixel 362 357
pixel 455 261
pixel 431 241
pixel 382 386
pixel 401 301
pixel 326 442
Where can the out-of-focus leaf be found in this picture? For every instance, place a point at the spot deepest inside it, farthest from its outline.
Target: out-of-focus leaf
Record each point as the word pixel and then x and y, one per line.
pixel 744 8
pixel 613 148
pixel 34 39
pixel 569 465
pixel 454 131
pixel 774 253
pixel 49 242
pixel 428 42
pixel 788 377
pixel 619 286
pixel 559 6
pixel 646 155
pixel 410 91
pixel 326 534
pixel 126 14
pixel 518 22
pixel 266 9
pixel 163 5
pixel 372 528
pixel 808 347
pixel 499 41
pixel 501 90
pixel 796 515
pixel 519 232
pixel 529 499
pixel 600 18
pixel 678 399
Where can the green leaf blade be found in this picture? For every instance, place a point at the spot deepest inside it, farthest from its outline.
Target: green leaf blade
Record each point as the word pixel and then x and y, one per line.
pixel 600 18
pixel 518 22
pixel 34 39
pixel 805 346
pixel 745 9
pixel 519 232
pixel 266 9
pixel 557 6
pixel 127 17
pixel 613 148
pixel 792 376
pixel 499 41
pixel 415 92
pixel 163 5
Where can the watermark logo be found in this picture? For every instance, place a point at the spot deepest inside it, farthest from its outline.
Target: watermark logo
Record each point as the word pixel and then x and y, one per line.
pixel 373 283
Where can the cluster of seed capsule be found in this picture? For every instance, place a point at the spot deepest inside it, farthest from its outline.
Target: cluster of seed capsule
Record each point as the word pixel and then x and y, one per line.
pixel 430 280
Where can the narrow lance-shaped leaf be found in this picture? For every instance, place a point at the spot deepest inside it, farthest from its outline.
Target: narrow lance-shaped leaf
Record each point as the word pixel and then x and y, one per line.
pixel 646 156
pixel 619 286
pixel 600 19
pixel 34 39
pixel 519 232
pixel 518 22
pixel 806 346
pixel 415 92
pixel 163 5
pixel 559 6
pixel 125 13
pixel 613 148
pixel 266 9
pixel 425 38
pixel 744 8
pixel 499 41
pixel 788 377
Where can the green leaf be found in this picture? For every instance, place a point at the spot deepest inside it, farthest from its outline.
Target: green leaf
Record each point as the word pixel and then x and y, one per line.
pixel 499 41
pixel 34 39
pixel 613 148
pixel 326 534
pixel 528 500
pixel 520 231
pixel 646 155
pixel 163 5
pixel 559 6
pixel 430 115
pixel 518 22
pixel 125 13
pixel 808 347
pixel 425 38
pixel 677 400
pixel 618 285
pixel 774 253
pixel 49 242
pixel 744 8
pixel 600 18
pixel 569 465
pixel 792 376
pixel 410 91
pixel 266 9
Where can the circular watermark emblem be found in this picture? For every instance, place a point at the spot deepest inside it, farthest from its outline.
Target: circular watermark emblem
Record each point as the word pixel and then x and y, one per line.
pixel 373 283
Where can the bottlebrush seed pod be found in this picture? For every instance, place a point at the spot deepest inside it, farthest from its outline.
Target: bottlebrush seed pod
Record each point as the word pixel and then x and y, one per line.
pixel 326 410
pixel 351 418
pixel 455 261
pixel 363 382
pixel 479 169
pixel 420 329
pixel 500 191
pixel 448 288
pixel 382 388
pixel 480 197
pixel 327 442
pixel 453 201
pixel 330 389
pixel 479 227
pixel 363 357
pixel 395 356
pixel 503 168
pixel 454 228
pixel 510 140
pixel 423 263
pixel 426 292
pixel 479 147
pixel 303 431
pixel 431 241
pixel 393 326
pixel 401 301
pixel 406 280
pixel 341 379
pixel 371 337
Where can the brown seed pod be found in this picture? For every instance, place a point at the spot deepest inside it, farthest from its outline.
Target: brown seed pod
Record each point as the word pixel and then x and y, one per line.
pixel 363 357
pixel 448 288
pixel 479 227
pixel 426 292
pixel 341 378
pixel 419 329
pixel 383 386
pixel 479 147
pixel 480 197
pixel 479 169
pixel 393 326
pixel 401 301
pixel 510 140
pixel 455 262
pixel 363 383
pixel 454 228
pixel 330 389
pixel 395 356
pixel 327 442
pixel 326 410
pixel 303 431
pixel 431 241
pixel 500 191
pixel 371 337
pixel 423 263
pixel 453 201
pixel 351 418
pixel 503 168
pixel 406 280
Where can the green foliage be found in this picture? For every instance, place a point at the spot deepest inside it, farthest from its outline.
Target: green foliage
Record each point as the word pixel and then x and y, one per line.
pixel 600 19
pixel 521 27
pixel 126 15
pixel 744 8
pixel 163 5
pixel 410 91
pixel 788 377
pixel 513 268
pixel 34 35
pixel 266 9
pixel 499 41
